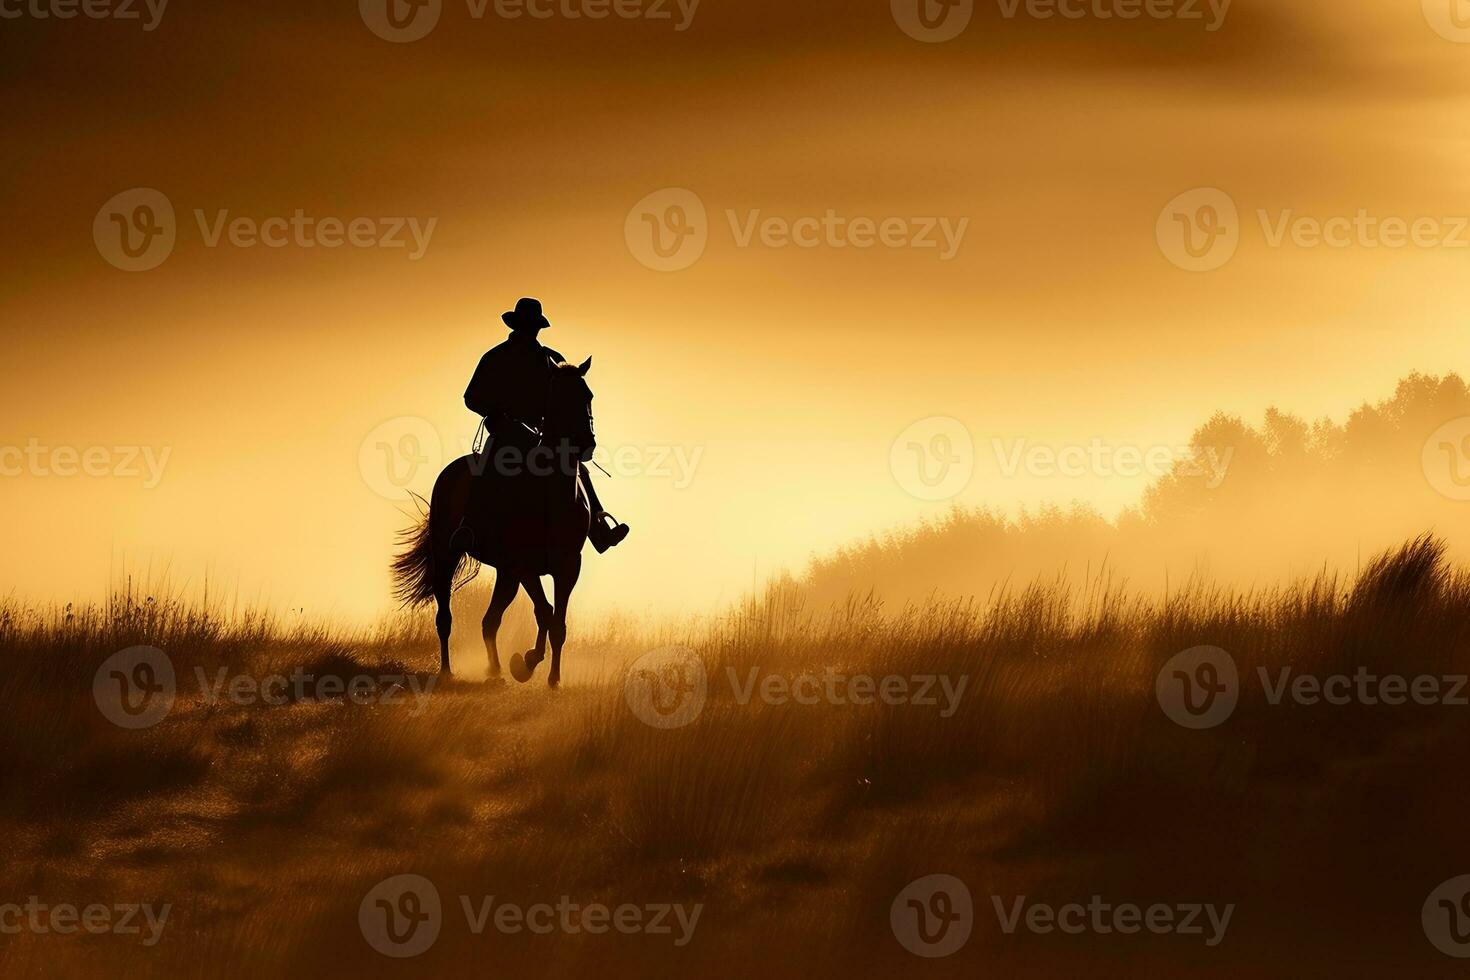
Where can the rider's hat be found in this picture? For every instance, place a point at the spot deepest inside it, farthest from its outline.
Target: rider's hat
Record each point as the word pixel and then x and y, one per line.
pixel 526 315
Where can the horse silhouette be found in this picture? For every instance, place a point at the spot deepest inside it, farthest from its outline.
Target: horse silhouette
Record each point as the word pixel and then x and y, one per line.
pixel 541 520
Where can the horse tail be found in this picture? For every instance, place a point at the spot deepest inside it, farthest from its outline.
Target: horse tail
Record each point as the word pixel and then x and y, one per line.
pixel 413 567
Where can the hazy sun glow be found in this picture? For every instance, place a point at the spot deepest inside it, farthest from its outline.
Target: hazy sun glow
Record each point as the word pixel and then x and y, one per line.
pixel 754 396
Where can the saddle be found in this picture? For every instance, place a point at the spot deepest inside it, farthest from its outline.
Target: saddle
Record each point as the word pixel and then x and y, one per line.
pixel 508 512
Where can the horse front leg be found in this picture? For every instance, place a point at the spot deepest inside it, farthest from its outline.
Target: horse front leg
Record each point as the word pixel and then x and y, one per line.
pixel 504 593
pixel 523 666
pixel 564 581
pixel 544 611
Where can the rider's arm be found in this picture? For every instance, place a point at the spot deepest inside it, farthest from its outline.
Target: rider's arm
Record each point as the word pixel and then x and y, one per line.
pixel 480 396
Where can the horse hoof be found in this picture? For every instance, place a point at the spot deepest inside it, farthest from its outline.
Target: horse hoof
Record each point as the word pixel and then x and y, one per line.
pixel 553 682
pixel 518 668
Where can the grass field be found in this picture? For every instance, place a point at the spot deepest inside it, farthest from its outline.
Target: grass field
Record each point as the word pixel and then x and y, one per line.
pixel 785 817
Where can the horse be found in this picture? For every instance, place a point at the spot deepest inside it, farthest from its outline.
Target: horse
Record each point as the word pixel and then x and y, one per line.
pixel 540 487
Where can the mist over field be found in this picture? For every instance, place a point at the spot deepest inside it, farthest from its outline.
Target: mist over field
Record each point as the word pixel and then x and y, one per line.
pixel 1250 504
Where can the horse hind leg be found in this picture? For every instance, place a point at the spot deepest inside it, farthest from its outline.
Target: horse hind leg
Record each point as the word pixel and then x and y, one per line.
pixel 444 623
pixel 564 581
pixel 501 597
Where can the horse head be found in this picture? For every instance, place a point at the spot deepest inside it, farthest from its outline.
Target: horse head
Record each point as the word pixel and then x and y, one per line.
pixel 569 411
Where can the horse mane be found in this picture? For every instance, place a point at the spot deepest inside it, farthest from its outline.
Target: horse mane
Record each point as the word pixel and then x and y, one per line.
pixel 562 367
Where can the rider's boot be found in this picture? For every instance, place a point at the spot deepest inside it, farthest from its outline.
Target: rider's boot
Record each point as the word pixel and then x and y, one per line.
pixel 606 532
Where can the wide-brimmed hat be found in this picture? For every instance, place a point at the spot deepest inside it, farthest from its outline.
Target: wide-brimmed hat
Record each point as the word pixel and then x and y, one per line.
pixel 527 314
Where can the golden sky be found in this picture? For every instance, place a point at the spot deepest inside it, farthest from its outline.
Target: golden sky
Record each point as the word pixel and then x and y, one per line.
pixel 783 373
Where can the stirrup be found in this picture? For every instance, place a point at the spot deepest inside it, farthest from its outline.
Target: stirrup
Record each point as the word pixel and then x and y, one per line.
pixel 604 537
pixel 463 538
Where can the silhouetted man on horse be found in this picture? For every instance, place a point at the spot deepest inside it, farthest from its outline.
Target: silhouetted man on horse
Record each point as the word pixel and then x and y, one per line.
pixel 509 391
pixel 525 506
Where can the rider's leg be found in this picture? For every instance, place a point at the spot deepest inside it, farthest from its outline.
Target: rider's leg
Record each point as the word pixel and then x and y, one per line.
pixel 476 507
pixel 590 490
pixel 605 531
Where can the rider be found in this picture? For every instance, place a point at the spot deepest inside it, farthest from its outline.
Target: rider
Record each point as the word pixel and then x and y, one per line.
pixel 509 389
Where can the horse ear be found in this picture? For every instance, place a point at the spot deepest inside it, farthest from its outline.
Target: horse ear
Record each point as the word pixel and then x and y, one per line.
pixel 584 367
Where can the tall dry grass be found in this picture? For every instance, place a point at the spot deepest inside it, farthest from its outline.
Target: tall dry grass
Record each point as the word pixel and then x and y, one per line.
pixel 1057 777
